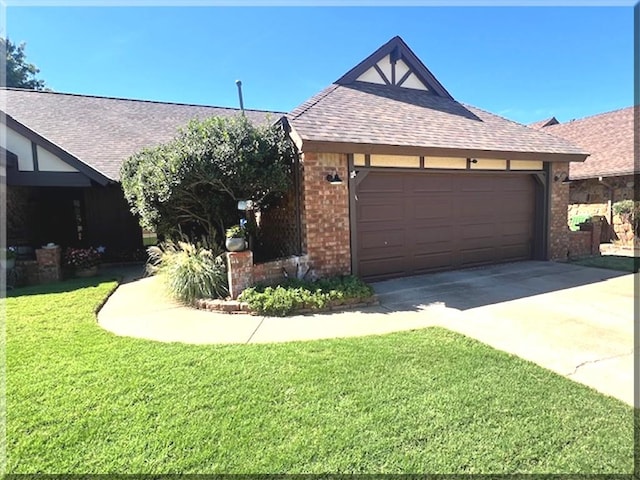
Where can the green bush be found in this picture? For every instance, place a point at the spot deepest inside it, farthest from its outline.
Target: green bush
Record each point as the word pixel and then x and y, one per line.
pixel 191 271
pixel 629 209
pixel 293 294
pixel 626 207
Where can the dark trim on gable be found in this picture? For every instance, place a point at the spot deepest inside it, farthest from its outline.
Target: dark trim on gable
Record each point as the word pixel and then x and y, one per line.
pixel 404 78
pixel 34 156
pixel 347 147
pixel 398 50
pixel 382 75
pixel 8 158
pixel 47 179
pixel 75 162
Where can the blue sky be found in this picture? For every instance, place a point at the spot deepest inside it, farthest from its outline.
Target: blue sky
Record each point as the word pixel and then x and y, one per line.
pixel 525 63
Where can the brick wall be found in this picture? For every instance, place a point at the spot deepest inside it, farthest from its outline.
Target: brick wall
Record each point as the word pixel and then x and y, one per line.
pixel 591 197
pixel 325 214
pixel 49 264
pixel 558 226
pixel 239 271
pixel 585 242
pixel 276 270
pixel 242 273
pixel 579 244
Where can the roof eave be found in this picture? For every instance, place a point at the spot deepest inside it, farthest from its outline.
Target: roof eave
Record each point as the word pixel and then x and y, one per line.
pixel 588 176
pixel 366 148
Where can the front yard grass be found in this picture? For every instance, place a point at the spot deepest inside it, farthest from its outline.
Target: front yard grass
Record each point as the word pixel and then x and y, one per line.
pixel 81 400
pixel 611 262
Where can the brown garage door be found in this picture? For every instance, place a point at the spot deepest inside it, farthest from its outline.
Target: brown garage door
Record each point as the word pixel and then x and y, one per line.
pixel 412 223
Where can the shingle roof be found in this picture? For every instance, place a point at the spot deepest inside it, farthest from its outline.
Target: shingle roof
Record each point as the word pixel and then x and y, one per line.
pixel 371 114
pixel 101 131
pixel 609 139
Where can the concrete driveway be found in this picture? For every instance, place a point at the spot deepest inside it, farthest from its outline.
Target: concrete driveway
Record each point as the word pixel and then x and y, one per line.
pixel 574 320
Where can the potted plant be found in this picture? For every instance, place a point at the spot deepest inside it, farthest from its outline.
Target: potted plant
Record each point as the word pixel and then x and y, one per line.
pixel 236 238
pixel 83 261
pixel 9 260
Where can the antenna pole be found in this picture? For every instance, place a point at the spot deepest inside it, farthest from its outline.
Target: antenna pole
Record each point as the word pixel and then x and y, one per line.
pixel 239 84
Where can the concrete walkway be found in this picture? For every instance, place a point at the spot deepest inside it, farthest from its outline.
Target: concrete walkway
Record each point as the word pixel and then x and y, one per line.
pixel 576 321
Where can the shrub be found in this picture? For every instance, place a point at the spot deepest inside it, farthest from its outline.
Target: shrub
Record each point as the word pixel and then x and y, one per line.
pixel 626 207
pixel 81 258
pixel 191 270
pixel 296 294
pixel 195 180
pixel 629 209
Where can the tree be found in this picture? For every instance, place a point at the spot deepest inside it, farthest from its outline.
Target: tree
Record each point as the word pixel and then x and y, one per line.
pixel 192 184
pixel 20 73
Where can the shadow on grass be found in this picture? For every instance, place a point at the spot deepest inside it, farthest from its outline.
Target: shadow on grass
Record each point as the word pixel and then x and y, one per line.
pixel 121 274
pixel 621 263
pixel 60 287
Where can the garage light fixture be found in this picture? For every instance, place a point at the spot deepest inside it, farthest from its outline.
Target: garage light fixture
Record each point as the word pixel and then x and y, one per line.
pixel 562 177
pixel 334 179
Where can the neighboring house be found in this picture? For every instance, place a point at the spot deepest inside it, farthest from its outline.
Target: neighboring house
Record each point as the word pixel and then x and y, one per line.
pixel 608 175
pixel 63 163
pixel 427 182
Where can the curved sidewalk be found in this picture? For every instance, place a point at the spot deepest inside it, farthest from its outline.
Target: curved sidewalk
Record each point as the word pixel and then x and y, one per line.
pixel 141 309
pixel 576 321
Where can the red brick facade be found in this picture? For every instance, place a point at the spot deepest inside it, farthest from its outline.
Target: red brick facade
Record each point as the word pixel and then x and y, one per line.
pixel 559 199
pixel 325 224
pixel 49 264
pixel 325 214
pixel 243 273
pixel 239 271
pixel 585 242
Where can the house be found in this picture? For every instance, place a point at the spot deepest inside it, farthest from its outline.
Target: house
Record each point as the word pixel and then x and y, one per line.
pixel 63 159
pixel 433 184
pixel 609 174
pixel 395 176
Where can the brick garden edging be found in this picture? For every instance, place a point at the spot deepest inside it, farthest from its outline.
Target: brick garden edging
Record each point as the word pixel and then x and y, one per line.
pixel 236 306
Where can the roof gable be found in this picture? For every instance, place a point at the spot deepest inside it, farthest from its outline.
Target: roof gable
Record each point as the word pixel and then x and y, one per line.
pixel 547 122
pixel 395 65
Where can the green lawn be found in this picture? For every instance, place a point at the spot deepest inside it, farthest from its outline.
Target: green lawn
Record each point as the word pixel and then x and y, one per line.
pixel 81 400
pixel 611 262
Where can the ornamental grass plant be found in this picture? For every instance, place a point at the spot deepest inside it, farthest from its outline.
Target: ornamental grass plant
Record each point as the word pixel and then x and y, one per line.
pixel 191 271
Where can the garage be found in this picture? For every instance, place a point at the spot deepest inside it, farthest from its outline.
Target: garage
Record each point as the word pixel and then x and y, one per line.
pixel 400 179
pixel 409 223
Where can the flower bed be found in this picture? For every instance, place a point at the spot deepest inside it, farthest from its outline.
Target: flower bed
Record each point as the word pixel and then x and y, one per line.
pixel 297 297
pixel 82 258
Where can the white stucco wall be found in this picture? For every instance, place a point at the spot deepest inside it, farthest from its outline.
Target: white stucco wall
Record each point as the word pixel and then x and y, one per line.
pixel 21 146
pixel 48 162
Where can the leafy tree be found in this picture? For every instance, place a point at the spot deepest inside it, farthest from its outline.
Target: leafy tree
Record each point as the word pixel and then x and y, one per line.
pixel 192 184
pixel 20 73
